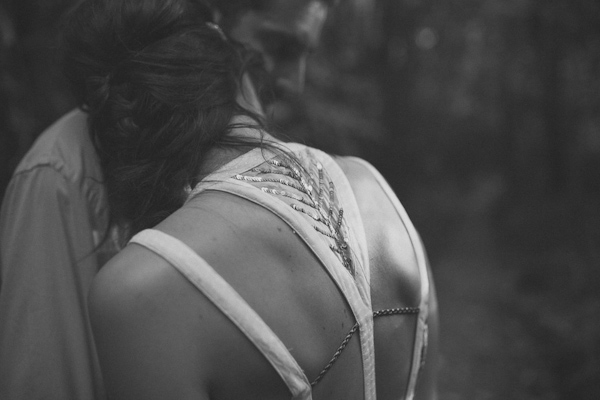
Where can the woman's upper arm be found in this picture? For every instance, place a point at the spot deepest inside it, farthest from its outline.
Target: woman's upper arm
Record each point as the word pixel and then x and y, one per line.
pixel 147 329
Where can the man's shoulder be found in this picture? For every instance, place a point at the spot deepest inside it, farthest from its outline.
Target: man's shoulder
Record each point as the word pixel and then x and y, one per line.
pixel 66 147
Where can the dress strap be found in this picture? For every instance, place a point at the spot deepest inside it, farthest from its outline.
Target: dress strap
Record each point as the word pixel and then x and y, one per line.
pixel 228 300
pixel 358 243
pixel 421 335
pixel 320 172
pixel 352 213
pixel 359 305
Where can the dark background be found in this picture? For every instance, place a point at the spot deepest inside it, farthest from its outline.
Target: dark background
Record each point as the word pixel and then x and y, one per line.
pixel 484 115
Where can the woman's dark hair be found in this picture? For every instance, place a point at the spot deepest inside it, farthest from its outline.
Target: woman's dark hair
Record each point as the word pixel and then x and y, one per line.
pixel 160 85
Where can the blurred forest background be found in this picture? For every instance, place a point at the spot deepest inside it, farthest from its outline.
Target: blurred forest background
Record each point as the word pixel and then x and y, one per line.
pixel 484 115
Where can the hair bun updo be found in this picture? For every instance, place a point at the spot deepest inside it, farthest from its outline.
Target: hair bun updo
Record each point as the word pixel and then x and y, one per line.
pixel 159 84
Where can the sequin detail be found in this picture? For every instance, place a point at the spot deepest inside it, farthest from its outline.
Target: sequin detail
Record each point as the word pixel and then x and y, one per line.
pixel 310 192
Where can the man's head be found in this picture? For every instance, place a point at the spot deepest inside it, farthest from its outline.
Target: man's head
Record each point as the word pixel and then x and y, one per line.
pixel 284 32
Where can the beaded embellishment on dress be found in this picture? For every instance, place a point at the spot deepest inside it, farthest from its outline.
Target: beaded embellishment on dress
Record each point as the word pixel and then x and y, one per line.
pixel 309 191
pixel 294 178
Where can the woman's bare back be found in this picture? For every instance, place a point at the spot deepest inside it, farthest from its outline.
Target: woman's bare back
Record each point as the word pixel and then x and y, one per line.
pixel 158 333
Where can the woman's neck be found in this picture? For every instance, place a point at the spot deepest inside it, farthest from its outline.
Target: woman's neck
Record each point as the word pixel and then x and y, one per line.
pixel 244 130
pixel 244 135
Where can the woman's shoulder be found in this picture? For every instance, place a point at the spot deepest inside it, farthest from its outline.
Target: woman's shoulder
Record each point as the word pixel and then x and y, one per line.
pixel 129 284
pixel 369 187
pixel 391 242
pixel 137 274
pixel 144 312
pixel 139 296
pixel 358 171
pixel 220 228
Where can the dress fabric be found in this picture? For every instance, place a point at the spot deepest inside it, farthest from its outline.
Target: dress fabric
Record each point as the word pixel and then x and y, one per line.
pixel 314 197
